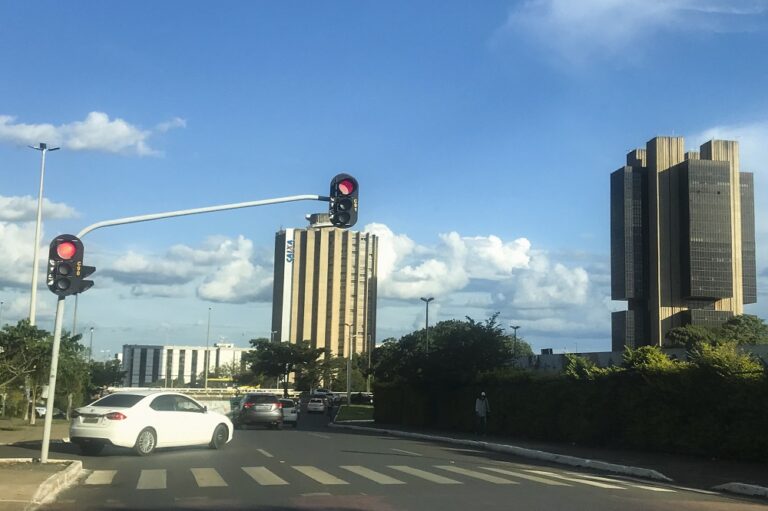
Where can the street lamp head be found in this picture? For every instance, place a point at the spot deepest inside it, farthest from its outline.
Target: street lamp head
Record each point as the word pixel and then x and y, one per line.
pixel 427 300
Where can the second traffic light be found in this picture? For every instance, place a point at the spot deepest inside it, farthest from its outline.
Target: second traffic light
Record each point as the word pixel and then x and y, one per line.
pixel 66 272
pixel 342 208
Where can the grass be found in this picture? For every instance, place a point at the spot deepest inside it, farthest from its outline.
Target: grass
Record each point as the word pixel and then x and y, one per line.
pixel 355 413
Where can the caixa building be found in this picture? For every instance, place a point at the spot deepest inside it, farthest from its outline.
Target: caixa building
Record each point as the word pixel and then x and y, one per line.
pixel 682 239
pixel 148 365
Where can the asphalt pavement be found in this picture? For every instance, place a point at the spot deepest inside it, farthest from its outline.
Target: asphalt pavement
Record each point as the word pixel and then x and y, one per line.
pixel 25 484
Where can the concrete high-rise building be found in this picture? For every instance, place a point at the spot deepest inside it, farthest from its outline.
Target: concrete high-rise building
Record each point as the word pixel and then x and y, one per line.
pixel 325 289
pixel 682 239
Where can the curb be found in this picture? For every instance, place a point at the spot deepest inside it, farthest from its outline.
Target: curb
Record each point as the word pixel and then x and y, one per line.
pixel 526 453
pixel 751 490
pixel 47 491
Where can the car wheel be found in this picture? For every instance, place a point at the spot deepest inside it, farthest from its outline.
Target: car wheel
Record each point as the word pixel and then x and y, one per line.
pixel 220 436
pixel 91 448
pixel 145 442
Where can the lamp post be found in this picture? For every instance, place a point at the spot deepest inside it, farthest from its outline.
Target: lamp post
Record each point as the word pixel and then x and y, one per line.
pixel 43 148
pixel 207 340
pixel 90 347
pixel 514 339
pixel 272 336
pixel 1 314
pixel 349 363
pixel 426 328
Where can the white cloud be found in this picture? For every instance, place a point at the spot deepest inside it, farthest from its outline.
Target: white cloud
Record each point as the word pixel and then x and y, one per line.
pixel 549 286
pixel 577 30
pixel 24 209
pixel 97 132
pixel 18 243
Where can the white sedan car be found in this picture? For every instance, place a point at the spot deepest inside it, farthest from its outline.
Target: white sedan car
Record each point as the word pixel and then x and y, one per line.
pixel 144 420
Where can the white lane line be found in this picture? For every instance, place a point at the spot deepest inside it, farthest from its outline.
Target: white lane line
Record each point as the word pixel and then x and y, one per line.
pixel 318 435
pixel 318 475
pixel 406 452
pixel 374 476
pixel 101 477
pixel 207 477
pixel 264 476
pixel 265 453
pixel 477 475
pixel 575 480
pixel 152 480
pixel 526 476
pixel 628 483
pixel 424 474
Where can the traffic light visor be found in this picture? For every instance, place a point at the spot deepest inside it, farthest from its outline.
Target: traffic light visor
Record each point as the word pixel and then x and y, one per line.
pixel 66 250
pixel 346 187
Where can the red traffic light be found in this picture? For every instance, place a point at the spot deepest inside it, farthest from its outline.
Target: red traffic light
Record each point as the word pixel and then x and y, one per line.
pixel 346 186
pixel 66 250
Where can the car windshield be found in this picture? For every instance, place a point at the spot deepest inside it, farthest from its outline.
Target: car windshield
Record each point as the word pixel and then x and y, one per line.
pixel 119 400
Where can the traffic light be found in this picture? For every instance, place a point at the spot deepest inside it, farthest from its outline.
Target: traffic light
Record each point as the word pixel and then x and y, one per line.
pixel 66 272
pixel 342 208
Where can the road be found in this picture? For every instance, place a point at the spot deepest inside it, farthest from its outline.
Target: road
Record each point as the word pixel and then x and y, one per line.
pixel 315 467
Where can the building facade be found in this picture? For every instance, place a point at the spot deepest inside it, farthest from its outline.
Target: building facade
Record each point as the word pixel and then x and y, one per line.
pixel 147 365
pixel 682 239
pixel 325 289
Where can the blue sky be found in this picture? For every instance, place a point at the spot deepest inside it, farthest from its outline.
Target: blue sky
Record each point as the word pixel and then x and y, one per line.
pixel 482 134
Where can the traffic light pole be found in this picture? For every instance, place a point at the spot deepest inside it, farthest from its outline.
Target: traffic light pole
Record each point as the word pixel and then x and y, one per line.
pixel 133 220
pixel 52 380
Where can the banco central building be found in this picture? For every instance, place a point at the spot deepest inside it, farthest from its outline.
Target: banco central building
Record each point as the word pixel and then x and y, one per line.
pixel 682 239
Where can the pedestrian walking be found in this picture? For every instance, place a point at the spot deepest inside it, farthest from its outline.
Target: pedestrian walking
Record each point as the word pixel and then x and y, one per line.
pixel 482 410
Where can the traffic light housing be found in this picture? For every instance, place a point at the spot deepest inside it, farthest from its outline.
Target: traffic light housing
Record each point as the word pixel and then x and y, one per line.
pixel 342 207
pixel 66 272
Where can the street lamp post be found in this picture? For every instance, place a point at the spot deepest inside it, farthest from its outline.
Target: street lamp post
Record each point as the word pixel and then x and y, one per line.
pixel 90 347
pixel 426 301
pixel 207 340
pixel 514 339
pixel 1 314
pixel 349 363
pixel 43 148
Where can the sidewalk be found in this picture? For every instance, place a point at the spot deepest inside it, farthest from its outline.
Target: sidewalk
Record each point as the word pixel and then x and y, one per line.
pixel 744 478
pixel 24 482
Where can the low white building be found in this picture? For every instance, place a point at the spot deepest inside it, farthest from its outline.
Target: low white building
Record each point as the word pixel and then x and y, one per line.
pixel 147 364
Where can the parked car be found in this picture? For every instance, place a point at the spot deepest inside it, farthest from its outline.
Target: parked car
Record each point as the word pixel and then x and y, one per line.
pixel 291 411
pixel 145 420
pixel 41 409
pixel 316 404
pixel 259 408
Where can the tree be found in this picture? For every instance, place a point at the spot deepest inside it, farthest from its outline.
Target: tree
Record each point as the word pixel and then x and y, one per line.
pixel 744 329
pixel 22 348
pixel 279 359
pixel 106 374
pixel 726 360
pixel 647 358
pixel 690 336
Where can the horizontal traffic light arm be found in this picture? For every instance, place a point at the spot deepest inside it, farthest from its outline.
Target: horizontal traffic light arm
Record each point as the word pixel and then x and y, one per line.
pixel 197 211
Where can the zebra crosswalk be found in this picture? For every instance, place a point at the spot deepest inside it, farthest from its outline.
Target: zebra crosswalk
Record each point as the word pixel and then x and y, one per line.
pixel 343 475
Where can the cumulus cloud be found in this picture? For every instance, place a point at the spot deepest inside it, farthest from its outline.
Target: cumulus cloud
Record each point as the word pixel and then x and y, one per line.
pixel 134 268
pixel 587 28
pixel 24 209
pixel 97 132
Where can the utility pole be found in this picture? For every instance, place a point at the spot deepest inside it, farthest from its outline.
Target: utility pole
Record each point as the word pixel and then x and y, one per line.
pixel 207 340
pixel 426 328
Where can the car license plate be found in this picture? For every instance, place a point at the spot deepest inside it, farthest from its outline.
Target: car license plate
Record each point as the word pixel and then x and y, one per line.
pixel 91 420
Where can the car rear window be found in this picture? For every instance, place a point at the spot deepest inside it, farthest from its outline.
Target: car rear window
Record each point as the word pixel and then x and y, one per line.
pixel 261 398
pixel 119 400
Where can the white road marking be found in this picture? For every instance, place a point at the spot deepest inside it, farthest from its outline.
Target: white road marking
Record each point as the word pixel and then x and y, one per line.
pixel 207 477
pixel 374 476
pixel 575 480
pixel 318 435
pixel 406 452
pixel 477 475
pixel 526 476
pixel 628 483
pixel 265 453
pixel 101 477
pixel 152 480
pixel 424 474
pixel 264 476
pixel 318 475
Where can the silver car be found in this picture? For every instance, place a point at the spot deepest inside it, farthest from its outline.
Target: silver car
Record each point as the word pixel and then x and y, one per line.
pixel 290 411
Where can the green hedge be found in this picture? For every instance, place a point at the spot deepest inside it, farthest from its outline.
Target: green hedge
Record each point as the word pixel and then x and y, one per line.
pixel 683 411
